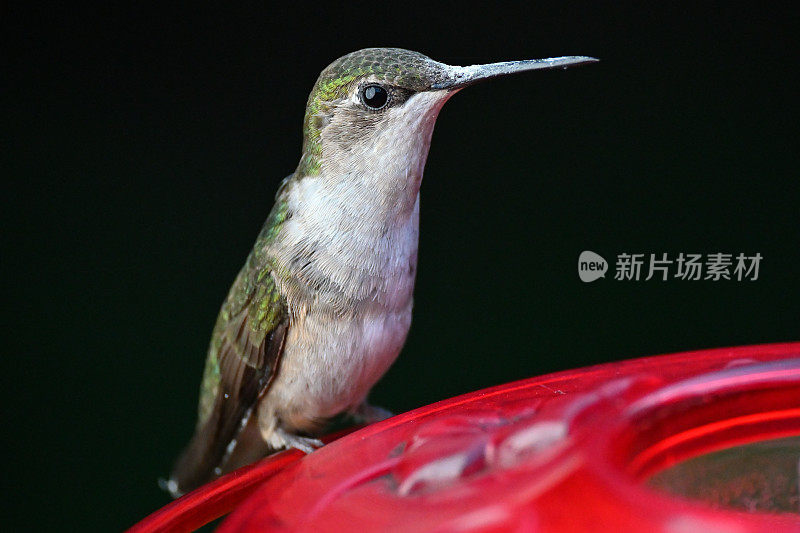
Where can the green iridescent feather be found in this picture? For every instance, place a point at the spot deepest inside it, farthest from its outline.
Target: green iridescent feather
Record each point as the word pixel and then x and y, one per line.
pixel 254 300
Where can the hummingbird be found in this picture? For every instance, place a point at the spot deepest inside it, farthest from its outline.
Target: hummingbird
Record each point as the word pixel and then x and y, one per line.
pixel 322 306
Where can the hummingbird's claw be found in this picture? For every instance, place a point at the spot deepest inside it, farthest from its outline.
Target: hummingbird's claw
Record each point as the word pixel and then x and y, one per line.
pixel 281 438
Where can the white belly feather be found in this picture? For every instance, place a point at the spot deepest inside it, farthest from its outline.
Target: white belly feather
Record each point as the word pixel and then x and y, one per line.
pixel 329 366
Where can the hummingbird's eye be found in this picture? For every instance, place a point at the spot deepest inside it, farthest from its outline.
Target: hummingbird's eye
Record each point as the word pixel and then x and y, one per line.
pixel 374 96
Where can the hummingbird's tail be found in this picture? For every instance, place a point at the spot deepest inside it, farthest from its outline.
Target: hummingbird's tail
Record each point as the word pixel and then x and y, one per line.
pixel 195 465
pixel 201 461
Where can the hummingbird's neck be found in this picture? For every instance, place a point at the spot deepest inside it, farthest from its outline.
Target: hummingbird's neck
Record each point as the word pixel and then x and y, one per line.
pixel 369 183
pixel 356 206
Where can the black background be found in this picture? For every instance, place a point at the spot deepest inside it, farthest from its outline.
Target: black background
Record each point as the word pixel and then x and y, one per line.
pixel 143 147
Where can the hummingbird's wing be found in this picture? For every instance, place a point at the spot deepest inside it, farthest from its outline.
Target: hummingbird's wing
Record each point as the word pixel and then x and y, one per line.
pixel 242 359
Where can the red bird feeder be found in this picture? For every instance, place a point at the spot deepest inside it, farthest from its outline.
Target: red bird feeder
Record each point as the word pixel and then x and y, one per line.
pixel 594 449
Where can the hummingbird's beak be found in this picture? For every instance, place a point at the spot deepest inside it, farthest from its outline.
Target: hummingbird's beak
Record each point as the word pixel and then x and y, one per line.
pixel 464 76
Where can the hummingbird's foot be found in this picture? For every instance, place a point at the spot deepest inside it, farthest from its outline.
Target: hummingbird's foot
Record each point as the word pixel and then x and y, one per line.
pixel 369 414
pixel 281 438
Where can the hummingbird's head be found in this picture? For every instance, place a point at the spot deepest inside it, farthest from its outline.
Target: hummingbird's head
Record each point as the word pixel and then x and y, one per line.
pixel 375 109
pixel 364 98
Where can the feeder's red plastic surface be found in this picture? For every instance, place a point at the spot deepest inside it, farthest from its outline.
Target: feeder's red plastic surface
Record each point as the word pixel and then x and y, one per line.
pixel 558 453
